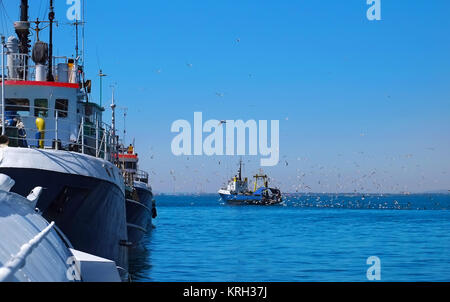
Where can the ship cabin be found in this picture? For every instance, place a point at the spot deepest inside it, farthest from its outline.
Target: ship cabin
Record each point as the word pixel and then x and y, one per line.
pixel 237 185
pixel 128 163
pixel 51 114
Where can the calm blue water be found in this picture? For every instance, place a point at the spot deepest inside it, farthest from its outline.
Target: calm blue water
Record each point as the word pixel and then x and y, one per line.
pixel 310 238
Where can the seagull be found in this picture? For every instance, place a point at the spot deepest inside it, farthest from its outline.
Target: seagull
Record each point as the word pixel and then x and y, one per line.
pixel 189 65
pixel 222 122
pixel 219 94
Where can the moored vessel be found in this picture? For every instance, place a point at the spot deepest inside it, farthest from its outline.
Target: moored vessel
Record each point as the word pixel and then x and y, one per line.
pixel 55 138
pixel 140 205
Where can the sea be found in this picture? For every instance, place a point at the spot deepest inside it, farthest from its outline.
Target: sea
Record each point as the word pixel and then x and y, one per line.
pixel 310 237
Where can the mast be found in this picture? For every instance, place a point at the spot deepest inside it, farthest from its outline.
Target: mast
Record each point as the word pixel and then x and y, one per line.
pixel 82 31
pixel 23 28
pixel 113 123
pixel 76 39
pixel 77 24
pixel 3 85
pixel 101 75
pixel 125 111
pixel 240 169
pixel 51 17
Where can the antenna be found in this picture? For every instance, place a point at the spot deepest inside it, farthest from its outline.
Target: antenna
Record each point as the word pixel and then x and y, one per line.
pixel 125 113
pixel 51 18
pixel 101 75
pixel 113 121
pixel 76 24
pixel 3 85
pixel 38 29
pixel 113 108
pixel 82 30
pixel 240 169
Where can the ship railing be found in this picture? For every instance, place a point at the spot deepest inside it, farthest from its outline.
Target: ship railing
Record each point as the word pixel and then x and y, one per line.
pixel 141 176
pixel 80 135
pixel 20 67
pixel 96 139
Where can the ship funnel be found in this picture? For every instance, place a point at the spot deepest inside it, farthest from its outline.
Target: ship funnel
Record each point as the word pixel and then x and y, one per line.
pixel 22 28
pixel 13 48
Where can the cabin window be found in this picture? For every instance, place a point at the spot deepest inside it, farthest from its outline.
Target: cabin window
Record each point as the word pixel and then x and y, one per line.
pixel 20 106
pixel 41 108
pixel 129 165
pixel 62 107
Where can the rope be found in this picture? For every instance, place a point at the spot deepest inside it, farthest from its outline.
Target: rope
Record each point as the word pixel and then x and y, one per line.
pixel 18 261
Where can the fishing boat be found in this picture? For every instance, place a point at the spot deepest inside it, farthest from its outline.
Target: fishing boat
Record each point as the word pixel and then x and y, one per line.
pixel 237 191
pixel 140 205
pixel 54 137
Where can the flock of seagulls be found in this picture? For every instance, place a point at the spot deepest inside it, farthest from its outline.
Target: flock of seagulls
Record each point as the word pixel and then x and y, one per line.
pixel 326 179
pixel 363 184
pixel 190 65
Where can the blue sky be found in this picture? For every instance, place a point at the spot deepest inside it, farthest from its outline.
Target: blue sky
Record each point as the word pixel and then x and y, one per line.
pixel 363 105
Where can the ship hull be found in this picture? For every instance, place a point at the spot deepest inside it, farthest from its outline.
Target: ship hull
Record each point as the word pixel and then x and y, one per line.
pixel 139 215
pixel 87 210
pixel 19 224
pixel 82 195
pixel 241 199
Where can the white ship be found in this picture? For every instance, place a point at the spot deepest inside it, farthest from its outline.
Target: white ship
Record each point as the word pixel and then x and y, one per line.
pixel 55 138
